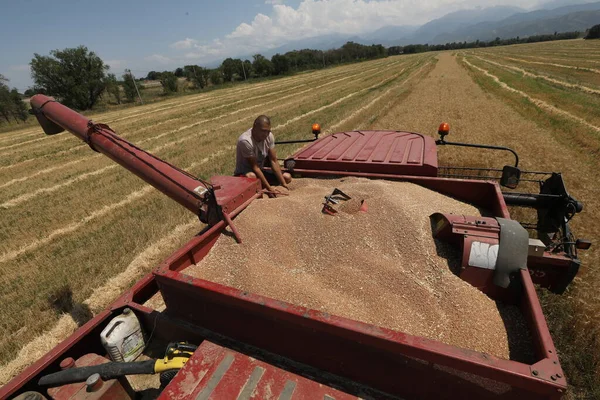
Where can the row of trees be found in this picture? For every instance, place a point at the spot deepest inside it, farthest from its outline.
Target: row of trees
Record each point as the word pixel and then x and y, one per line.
pixel 235 69
pixel 420 48
pixel 593 32
pixel 12 106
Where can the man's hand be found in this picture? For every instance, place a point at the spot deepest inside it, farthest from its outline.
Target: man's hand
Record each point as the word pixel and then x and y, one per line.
pixel 275 192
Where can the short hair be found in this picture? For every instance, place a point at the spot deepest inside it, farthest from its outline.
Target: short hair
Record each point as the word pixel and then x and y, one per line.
pixel 262 119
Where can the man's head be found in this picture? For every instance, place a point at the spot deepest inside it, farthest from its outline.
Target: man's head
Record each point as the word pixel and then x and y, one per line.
pixel 261 128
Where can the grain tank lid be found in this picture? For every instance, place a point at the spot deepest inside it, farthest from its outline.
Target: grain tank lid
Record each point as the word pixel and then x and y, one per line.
pixel 388 152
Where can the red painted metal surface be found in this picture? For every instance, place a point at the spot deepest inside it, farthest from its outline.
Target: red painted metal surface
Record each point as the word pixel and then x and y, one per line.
pixel 386 360
pixel 335 344
pixel 221 373
pixel 389 152
pixel 231 192
pixel 546 270
pixel 111 389
pixel 170 180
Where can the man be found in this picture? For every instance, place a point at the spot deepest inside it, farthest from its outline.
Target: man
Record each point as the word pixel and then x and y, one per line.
pixel 255 151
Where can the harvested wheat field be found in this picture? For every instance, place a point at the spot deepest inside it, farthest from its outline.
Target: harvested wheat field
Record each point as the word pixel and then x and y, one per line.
pixel 380 267
pixel 74 223
pixel 549 126
pixel 67 215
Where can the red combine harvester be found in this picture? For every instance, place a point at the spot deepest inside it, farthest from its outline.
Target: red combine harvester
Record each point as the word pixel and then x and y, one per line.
pixel 227 343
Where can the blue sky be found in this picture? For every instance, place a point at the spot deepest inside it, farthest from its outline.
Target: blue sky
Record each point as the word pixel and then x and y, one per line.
pixel 162 35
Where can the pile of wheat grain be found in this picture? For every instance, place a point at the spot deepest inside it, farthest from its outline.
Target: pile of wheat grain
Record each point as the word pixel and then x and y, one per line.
pixel 381 267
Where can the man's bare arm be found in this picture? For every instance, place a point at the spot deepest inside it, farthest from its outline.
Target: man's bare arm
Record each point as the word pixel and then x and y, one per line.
pixel 276 168
pixel 259 174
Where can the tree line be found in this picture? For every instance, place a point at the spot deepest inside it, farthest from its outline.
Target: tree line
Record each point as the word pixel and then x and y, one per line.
pixel 420 48
pixel 12 106
pixel 79 78
pixel 236 69
pixel 593 32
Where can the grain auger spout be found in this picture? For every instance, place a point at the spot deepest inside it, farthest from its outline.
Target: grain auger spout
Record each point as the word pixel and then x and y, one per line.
pixel 215 201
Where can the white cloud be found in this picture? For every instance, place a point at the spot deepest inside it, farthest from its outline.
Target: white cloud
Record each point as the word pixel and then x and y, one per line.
pixel 321 17
pixel 158 58
pixel 186 43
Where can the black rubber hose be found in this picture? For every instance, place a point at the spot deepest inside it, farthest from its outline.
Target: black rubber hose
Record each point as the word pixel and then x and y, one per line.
pixel 110 370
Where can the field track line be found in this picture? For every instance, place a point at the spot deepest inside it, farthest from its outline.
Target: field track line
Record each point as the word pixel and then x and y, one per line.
pixel 41 172
pixel 372 102
pixel 11 255
pixel 55 140
pixel 130 198
pixel 24 143
pixel 160 106
pixel 541 104
pixel 37 348
pixel 98 300
pixel 596 71
pixel 21 135
pixel 546 58
pixel 15 201
pixel 46 138
pixel 102 296
pixel 544 77
pixel 235 91
pixel 27 196
pixel 170 105
pixel 387 67
pixel 306 114
pixel 175 105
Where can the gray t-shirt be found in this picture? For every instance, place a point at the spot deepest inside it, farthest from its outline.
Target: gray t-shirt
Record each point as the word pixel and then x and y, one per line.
pixel 248 147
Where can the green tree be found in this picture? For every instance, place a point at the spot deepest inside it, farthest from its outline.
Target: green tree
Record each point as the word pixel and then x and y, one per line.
pixel 200 77
pixel 6 105
pixel 261 65
pixel 129 87
pixel 153 76
pixel 19 109
pixel 11 103
pixel 75 76
pixel 113 87
pixel 216 76
pixel 281 64
pixel 168 80
pixel 229 68
pixel 594 32
pixel 33 91
pixel 179 72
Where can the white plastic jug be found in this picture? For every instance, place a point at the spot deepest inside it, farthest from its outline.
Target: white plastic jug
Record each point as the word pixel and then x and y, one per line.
pixel 123 338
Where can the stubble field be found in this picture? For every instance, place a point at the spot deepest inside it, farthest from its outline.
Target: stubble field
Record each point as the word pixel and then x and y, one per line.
pixel 70 218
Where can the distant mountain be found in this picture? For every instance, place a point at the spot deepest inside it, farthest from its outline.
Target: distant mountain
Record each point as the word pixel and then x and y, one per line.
pixel 549 5
pixel 538 22
pixel 325 42
pixel 461 19
pixel 465 25
pixel 389 36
